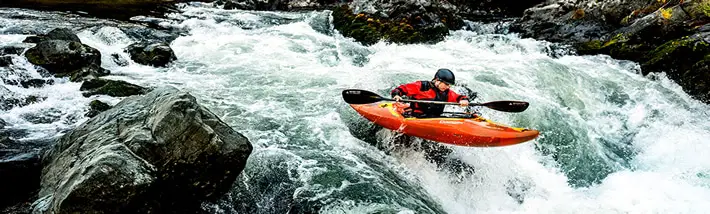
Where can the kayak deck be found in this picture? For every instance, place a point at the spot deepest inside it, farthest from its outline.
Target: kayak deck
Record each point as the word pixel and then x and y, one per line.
pixel 474 132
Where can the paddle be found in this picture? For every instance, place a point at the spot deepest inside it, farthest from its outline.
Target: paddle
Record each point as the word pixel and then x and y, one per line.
pixel 357 96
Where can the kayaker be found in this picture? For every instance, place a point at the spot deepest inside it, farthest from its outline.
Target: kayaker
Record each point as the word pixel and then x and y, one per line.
pixel 438 89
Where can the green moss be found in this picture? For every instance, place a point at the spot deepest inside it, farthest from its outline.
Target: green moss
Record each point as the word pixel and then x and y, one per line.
pixel 665 50
pixel 590 47
pixel 618 38
pixel 370 30
pixel 704 8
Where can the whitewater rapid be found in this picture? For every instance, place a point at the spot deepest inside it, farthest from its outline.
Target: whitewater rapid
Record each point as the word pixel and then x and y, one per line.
pixel 613 141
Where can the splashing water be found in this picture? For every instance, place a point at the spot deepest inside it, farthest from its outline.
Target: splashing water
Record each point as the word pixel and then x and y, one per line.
pixel 612 141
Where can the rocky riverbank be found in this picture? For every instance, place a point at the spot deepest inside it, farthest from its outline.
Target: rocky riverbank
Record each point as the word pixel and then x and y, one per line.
pixel 662 36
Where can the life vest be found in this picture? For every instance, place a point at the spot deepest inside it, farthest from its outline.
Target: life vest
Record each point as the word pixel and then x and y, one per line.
pixel 425 90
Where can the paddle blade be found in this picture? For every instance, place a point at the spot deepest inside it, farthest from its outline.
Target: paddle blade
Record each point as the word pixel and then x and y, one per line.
pixel 507 106
pixel 357 96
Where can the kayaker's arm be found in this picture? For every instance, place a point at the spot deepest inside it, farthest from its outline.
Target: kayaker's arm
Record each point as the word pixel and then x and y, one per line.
pixel 408 89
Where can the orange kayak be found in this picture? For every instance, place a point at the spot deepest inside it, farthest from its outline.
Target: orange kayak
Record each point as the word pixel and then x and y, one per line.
pixel 475 132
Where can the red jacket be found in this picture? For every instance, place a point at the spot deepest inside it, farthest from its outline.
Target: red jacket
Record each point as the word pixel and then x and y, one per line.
pixel 425 90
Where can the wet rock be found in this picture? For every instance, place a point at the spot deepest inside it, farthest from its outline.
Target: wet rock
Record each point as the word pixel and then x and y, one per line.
pixel 12 49
pixel 122 10
pixel 36 83
pixel 20 168
pixel 406 21
pixel 114 88
pixel 8 102
pixel 96 107
pixel 5 61
pixel 67 58
pixel 485 10
pixel 120 61
pixel 277 5
pixel 55 34
pixel 151 53
pixel 44 116
pixel 402 26
pixel 20 180
pixel 158 153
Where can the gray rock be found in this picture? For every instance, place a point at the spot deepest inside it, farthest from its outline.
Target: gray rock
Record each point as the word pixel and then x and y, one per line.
pixel 151 53
pixel 67 58
pixel 161 152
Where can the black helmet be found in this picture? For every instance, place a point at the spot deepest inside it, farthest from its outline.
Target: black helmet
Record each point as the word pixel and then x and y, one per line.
pixel 445 75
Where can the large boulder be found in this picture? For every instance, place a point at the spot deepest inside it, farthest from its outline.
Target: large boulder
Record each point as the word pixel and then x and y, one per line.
pixel 157 153
pixel 61 53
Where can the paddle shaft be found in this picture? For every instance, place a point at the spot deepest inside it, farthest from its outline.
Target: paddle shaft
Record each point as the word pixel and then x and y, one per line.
pixel 356 96
pixel 430 102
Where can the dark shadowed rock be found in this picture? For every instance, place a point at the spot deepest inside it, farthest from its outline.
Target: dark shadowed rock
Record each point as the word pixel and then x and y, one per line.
pixel 151 53
pixel 20 169
pixel 278 5
pixel 9 102
pixel 123 9
pixel 5 61
pixel 13 49
pixel 114 88
pixel 20 174
pixel 35 83
pixel 96 107
pixel 158 153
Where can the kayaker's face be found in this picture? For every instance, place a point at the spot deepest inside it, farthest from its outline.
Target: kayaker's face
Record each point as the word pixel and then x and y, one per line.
pixel 442 86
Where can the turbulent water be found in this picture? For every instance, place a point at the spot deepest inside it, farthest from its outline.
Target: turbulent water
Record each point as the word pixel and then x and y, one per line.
pixel 613 141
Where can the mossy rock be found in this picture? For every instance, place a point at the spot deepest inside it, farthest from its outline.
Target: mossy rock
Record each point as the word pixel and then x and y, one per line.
pixel 96 107
pixel 369 29
pixel 679 54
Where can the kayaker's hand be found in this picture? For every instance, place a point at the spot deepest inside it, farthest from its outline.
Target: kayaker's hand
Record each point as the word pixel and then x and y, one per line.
pixel 463 102
pixel 397 98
